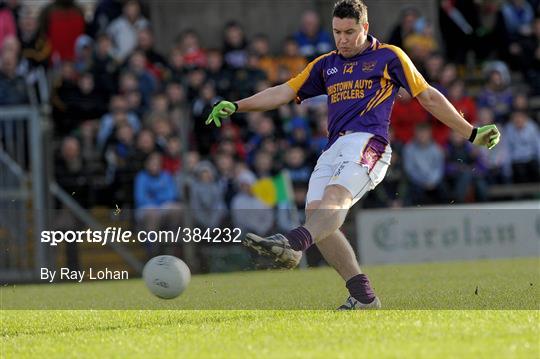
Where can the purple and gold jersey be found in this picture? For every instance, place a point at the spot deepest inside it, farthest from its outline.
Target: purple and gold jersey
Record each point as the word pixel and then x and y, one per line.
pixel 361 89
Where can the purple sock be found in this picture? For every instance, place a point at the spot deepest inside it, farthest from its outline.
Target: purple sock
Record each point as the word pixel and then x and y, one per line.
pixel 360 288
pixel 300 239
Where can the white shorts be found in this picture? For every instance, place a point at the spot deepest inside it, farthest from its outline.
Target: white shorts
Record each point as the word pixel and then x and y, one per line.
pixel 357 161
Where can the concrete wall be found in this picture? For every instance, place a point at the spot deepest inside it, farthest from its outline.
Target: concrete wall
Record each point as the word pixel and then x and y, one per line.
pixel 276 18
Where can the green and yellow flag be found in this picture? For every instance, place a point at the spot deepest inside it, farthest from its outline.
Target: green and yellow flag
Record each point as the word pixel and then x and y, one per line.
pixel 274 190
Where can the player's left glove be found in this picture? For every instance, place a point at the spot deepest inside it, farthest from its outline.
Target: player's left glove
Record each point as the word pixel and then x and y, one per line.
pixel 220 111
pixel 487 136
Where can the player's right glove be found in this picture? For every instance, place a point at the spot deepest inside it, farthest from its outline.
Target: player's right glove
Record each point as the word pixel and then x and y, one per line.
pixel 220 111
pixel 485 136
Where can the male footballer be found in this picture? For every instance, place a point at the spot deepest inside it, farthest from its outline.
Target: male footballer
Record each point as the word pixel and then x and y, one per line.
pixel 361 80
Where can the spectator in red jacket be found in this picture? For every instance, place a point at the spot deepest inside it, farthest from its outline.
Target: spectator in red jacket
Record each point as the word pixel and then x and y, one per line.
pixel 62 22
pixel 463 103
pixel 171 157
pixel 192 53
pixel 407 113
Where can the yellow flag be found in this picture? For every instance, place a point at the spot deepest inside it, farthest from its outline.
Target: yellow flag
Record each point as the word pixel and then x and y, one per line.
pixel 265 190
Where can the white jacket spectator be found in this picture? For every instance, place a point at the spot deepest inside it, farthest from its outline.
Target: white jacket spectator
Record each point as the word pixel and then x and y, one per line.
pixel 423 160
pixel 523 138
pixel 123 30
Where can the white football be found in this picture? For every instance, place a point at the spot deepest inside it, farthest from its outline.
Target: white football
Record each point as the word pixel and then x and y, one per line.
pixel 166 276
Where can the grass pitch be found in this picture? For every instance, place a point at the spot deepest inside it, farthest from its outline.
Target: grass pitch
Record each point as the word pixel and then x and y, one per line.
pixel 434 310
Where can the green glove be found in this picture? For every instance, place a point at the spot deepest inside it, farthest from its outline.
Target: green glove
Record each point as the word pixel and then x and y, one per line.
pixel 487 136
pixel 220 111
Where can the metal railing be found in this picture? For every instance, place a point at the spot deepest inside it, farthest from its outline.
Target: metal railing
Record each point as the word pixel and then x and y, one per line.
pixel 22 196
pixel 90 222
pixel 25 188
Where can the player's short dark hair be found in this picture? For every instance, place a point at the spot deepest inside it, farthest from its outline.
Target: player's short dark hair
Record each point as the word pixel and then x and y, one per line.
pixel 352 9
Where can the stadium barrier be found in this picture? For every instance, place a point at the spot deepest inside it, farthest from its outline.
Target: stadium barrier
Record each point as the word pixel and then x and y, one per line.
pixel 460 232
pixel 22 195
pixel 84 216
pixel 26 196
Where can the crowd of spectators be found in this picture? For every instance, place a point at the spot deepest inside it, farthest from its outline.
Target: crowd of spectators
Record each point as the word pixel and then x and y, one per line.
pixel 129 120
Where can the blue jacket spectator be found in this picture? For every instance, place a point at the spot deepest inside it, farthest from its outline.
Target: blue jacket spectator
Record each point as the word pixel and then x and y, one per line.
pixel 496 95
pixel 462 160
pixel 109 121
pixel 299 132
pixel 312 39
pixel 12 86
pixel 153 186
pixel 296 164
pixel 518 16
pixel 156 200
pixel 147 84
